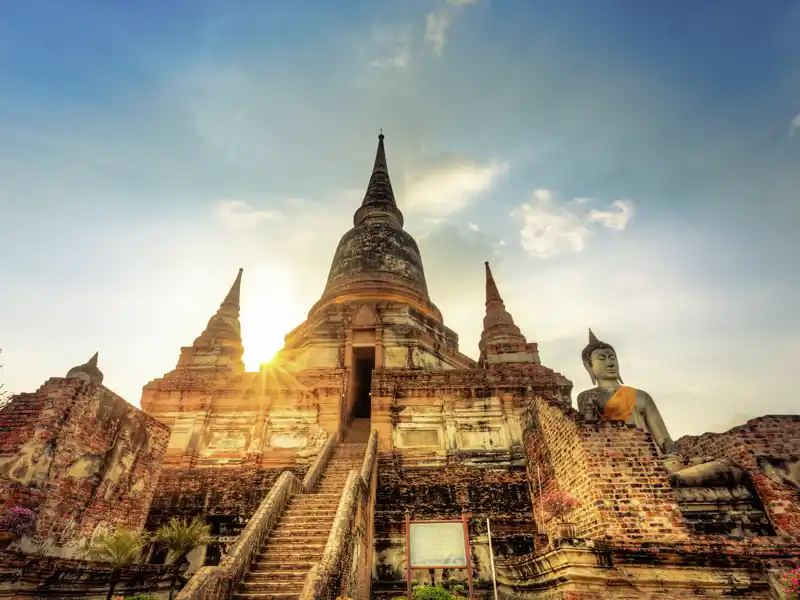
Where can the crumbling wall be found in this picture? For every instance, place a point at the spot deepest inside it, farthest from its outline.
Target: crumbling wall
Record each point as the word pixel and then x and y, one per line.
pixel 768 449
pixel 82 458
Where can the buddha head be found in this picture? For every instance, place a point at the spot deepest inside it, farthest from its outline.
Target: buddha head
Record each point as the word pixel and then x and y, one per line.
pixel 600 361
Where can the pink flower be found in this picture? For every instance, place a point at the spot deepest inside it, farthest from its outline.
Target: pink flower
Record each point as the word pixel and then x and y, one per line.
pixel 558 504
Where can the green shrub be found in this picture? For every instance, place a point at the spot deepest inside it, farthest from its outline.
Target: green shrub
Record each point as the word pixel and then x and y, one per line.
pixel 429 592
pixel 140 597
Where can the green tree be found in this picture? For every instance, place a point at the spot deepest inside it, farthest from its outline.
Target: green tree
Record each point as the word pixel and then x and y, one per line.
pixel 121 548
pixel 181 537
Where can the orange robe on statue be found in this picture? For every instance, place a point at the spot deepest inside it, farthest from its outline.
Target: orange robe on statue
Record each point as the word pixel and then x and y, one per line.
pixel 620 406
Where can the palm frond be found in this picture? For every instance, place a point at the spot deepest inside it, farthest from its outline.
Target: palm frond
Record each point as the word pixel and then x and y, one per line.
pixel 120 548
pixel 181 536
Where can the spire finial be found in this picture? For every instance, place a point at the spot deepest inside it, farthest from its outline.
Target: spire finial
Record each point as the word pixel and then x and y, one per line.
pixel 379 200
pixel 593 338
pixel 498 324
pixel 224 327
pixel 232 299
pixel 92 362
pixel 492 293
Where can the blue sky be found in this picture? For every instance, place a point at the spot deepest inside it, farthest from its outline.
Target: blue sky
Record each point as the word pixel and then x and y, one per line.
pixel 628 166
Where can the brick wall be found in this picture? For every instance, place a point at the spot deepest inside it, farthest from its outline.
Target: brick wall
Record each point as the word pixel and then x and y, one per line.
pixel 81 457
pixel 611 468
pixel 749 445
pixel 234 492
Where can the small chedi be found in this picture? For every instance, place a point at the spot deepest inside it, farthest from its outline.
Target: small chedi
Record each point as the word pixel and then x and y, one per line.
pixel 371 417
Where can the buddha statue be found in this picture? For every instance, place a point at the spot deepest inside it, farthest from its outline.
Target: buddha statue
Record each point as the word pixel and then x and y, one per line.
pixel 611 400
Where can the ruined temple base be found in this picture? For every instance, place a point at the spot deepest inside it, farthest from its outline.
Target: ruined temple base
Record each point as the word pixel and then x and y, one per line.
pixel 592 570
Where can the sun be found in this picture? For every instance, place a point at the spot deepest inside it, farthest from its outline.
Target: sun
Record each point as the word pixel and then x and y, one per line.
pixel 269 312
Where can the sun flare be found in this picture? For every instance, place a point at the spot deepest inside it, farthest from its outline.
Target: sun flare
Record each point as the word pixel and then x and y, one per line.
pixel 269 312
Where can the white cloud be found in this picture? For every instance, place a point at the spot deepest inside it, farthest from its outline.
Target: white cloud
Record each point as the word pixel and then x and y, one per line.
pixel 549 228
pixel 237 215
pixel 794 125
pixel 445 189
pixel 438 22
pixel 614 219
pixel 436 25
pixel 473 226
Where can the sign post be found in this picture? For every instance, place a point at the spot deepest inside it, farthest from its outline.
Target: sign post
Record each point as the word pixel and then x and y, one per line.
pixel 491 557
pixel 438 544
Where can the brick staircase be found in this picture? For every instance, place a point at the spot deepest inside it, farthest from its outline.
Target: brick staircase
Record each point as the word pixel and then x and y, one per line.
pixel 298 540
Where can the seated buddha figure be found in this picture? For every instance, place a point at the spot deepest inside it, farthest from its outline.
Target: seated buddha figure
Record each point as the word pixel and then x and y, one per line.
pixel 611 400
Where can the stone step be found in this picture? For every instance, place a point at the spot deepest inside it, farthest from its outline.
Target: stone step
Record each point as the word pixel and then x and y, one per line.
pixel 307 512
pixel 265 586
pixel 271 575
pixel 326 499
pixel 328 482
pixel 340 470
pixel 305 532
pixel 288 543
pixel 319 498
pixel 291 595
pixel 301 520
pixel 281 564
pixel 293 555
pixel 284 542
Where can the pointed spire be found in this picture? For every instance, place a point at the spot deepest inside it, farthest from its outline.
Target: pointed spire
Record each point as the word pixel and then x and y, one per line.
pixel 498 324
pixel 492 293
pixel 224 326
pixel 379 202
pixel 232 299
pixel 593 338
pixel 92 362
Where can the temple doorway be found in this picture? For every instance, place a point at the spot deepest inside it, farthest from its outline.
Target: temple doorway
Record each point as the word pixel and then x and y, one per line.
pixel 363 365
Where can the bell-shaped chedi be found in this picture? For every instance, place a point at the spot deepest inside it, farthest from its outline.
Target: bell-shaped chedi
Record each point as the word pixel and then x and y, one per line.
pixel 501 340
pixel 89 371
pixel 220 344
pixel 377 260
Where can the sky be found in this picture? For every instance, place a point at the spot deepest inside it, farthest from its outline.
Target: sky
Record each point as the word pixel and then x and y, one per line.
pixel 633 167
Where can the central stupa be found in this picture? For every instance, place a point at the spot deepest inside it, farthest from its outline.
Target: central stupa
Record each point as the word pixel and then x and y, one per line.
pixel 377 260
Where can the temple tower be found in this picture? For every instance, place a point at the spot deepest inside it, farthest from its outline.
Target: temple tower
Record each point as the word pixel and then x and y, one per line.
pixel 501 340
pixel 375 311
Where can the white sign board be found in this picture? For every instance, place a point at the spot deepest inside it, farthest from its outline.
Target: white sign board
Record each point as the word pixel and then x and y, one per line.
pixel 437 545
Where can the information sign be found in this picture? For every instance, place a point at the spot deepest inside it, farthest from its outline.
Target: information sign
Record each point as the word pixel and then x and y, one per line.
pixel 438 545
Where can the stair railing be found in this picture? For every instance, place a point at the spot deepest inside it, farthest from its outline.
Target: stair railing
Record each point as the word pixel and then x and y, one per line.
pixel 217 583
pixel 354 517
pixel 320 462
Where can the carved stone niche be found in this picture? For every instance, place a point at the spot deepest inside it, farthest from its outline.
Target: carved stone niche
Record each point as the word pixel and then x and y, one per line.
pixel 483 438
pixel 430 437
